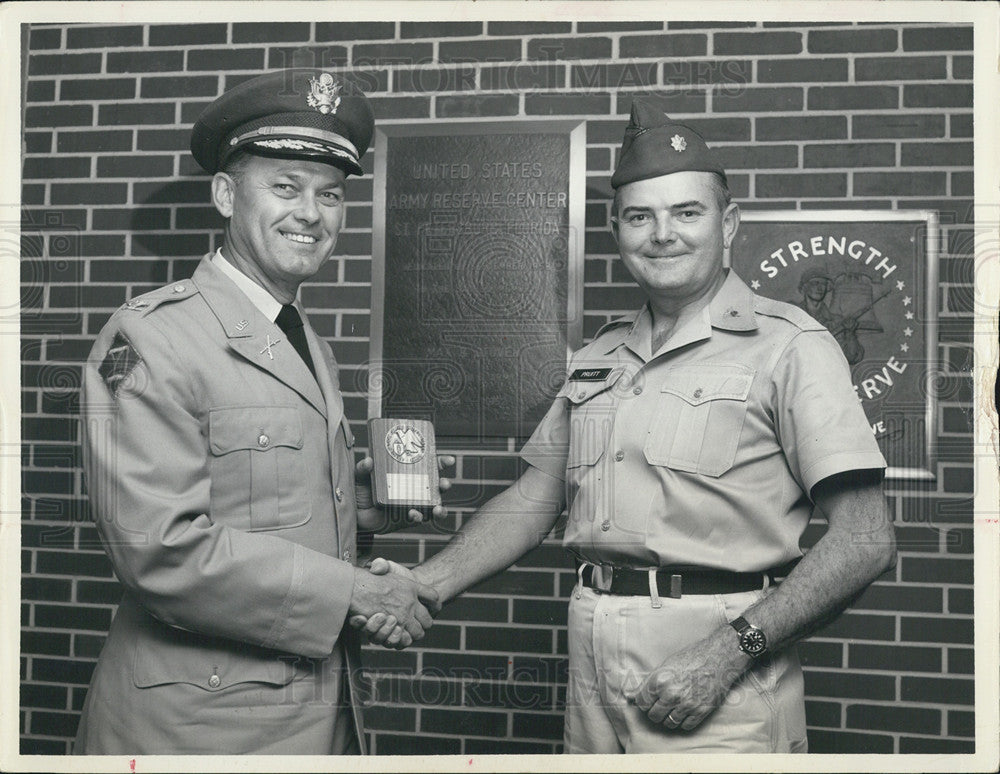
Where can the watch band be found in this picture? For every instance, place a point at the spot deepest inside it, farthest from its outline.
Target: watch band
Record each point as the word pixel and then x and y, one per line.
pixel 752 640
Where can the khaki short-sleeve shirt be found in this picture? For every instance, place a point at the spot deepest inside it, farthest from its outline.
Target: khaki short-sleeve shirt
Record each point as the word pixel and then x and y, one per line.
pixel 703 453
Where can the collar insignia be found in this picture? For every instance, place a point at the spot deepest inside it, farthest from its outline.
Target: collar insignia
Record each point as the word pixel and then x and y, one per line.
pixel 678 143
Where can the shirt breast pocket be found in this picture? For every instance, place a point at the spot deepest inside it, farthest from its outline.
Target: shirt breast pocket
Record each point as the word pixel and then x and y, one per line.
pixel 700 418
pixel 591 419
pixel 257 470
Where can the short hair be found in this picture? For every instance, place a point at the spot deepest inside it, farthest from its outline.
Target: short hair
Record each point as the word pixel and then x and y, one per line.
pixel 236 165
pixel 720 187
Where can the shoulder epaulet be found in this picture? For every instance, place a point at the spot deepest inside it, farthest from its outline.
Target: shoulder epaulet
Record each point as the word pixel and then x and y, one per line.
pixel 797 317
pixel 147 302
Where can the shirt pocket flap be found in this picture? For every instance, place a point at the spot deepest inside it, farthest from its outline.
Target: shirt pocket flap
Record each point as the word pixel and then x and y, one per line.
pixel 210 663
pixel 254 427
pixel 698 384
pixel 577 392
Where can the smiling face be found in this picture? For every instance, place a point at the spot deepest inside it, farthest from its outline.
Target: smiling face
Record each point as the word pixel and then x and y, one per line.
pixel 284 216
pixel 671 233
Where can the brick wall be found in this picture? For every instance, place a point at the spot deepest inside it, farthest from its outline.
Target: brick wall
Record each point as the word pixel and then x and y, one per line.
pixel 807 116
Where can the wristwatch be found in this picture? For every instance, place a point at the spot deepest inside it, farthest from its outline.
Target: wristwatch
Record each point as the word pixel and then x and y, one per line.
pixel 753 641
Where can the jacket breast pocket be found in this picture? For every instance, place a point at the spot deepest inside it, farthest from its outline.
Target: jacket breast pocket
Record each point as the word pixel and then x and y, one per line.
pixel 257 470
pixel 591 419
pixel 700 418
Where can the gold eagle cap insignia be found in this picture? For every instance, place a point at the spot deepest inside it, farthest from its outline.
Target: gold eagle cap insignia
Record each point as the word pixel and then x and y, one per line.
pixel 324 94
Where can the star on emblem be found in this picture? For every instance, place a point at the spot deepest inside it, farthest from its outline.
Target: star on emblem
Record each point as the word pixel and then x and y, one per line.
pixel 900 284
pixel 755 285
pixel 904 347
pixel 906 300
pixel 324 94
pixel 678 143
pixel 907 331
pixel 909 315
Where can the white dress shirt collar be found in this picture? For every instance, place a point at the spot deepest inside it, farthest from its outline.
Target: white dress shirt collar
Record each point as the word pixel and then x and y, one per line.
pixel 268 305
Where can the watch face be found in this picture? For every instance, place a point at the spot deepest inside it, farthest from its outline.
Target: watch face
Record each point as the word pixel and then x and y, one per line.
pixel 753 642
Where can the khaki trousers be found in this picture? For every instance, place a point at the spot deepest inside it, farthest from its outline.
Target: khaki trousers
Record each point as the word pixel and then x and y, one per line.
pixel 616 641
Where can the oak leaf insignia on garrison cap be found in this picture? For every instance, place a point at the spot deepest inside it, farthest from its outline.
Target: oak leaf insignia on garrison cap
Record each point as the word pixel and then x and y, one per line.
pixel 655 145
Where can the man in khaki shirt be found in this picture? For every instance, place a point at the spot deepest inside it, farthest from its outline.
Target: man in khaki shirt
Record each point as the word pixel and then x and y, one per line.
pixel 690 443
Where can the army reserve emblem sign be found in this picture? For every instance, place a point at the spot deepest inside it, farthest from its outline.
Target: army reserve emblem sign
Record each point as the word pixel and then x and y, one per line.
pixel 869 278
pixel 405 444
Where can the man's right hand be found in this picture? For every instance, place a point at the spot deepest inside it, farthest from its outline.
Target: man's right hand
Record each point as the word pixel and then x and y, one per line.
pixel 382 628
pixel 397 602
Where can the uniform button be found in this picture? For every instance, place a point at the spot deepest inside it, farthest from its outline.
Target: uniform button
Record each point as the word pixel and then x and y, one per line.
pixel 347 556
pixel 214 681
pixel 338 493
pixel 178 288
pixel 605 526
pixel 697 393
pixel 263 441
pixel 619 455
pixel 637 391
pixel 581 395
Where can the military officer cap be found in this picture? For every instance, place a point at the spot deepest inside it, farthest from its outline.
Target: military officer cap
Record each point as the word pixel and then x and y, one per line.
pixel 299 114
pixel 654 145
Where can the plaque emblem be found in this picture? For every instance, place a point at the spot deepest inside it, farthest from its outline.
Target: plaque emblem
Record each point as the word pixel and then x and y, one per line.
pixel 405 444
pixel 324 94
pixel 678 143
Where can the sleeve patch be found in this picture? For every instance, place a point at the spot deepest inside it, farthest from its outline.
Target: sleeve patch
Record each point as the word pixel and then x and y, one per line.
pixel 119 363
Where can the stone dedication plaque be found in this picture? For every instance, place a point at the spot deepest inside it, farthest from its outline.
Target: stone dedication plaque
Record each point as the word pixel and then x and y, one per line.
pixel 477 278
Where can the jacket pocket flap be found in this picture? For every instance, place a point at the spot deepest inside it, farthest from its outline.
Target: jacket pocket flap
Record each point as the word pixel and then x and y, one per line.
pixel 254 427
pixel 698 384
pixel 211 663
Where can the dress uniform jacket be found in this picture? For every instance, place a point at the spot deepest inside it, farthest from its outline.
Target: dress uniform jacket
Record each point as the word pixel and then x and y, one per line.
pixel 221 479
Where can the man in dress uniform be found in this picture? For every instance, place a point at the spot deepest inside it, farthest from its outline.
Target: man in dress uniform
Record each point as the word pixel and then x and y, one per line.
pixel 219 461
pixel 691 442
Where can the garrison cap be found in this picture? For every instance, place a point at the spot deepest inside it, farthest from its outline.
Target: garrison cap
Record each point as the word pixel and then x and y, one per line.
pixel 299 114
pixel 654 145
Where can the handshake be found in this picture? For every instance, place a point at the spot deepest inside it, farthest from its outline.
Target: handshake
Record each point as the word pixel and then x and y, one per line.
pixel 391 605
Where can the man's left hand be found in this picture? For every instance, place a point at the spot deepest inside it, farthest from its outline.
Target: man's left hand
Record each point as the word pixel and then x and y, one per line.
pixel 691 684
pixel 375 518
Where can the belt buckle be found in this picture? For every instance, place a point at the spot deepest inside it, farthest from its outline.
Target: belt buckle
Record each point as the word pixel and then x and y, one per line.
pixel 675 587
pixel 601 577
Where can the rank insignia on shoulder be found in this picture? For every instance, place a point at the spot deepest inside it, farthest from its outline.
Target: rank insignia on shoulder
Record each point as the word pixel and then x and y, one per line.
pixel 589 374
pixel 119 363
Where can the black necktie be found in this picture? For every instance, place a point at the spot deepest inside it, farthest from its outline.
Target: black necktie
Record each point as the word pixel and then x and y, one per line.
pixel 291 323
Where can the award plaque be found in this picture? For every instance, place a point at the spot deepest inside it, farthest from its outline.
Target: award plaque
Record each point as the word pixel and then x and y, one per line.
pixel 406 471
